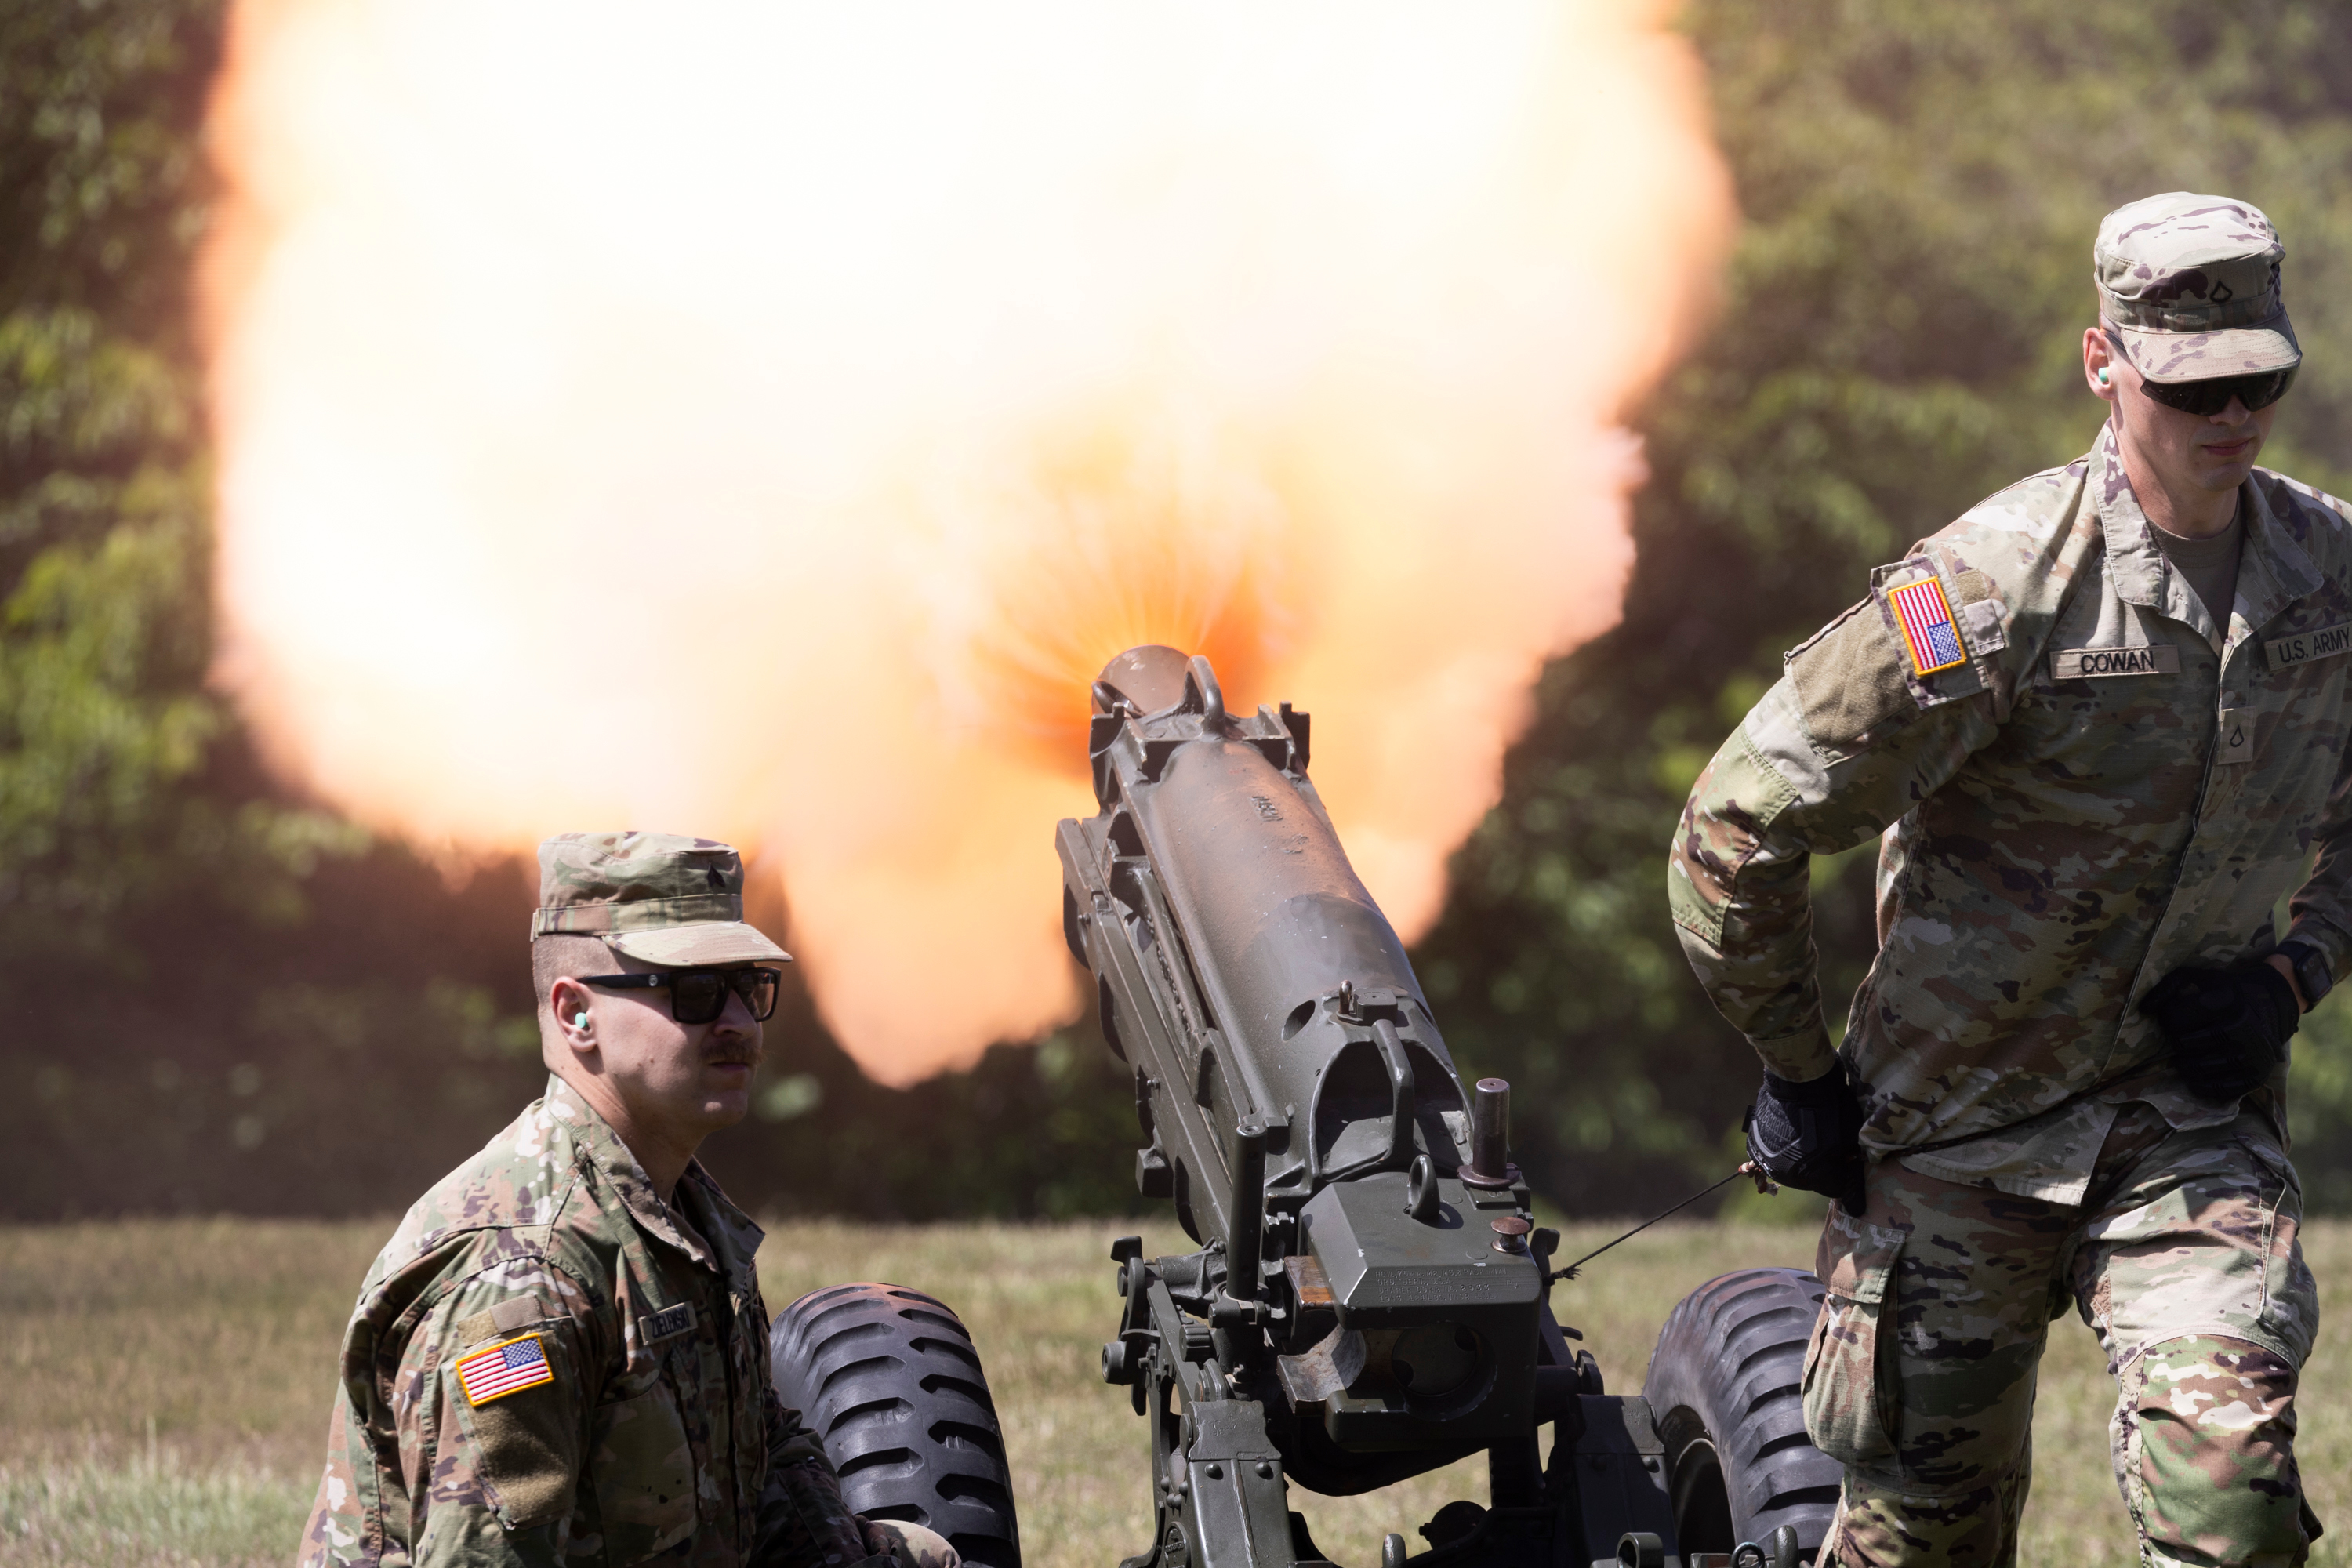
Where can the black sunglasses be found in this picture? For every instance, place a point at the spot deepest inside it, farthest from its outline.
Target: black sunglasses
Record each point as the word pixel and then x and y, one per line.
pixel 2207 398
pixel 698 995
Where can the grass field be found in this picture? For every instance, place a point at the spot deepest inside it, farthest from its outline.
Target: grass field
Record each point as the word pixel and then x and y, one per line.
pixel 164 1386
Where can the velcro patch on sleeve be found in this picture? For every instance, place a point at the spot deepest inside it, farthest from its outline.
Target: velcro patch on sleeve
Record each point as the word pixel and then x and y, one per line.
pixel 503 1321
pixel 508 1367
pixel 1981 624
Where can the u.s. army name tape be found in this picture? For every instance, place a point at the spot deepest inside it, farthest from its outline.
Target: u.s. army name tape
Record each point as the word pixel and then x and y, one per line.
pixel 2300 647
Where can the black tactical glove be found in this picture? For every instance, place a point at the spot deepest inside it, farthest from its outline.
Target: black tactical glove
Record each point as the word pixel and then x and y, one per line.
pixel 1809 1136
pixel 2227 1027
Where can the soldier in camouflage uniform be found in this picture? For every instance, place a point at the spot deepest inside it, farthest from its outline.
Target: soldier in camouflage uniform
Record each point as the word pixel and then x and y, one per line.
pixel 2099 725
pixel 562 1356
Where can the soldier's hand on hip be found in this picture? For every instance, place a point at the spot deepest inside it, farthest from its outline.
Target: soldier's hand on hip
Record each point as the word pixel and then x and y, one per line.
pixel 908 1545
pixel 1808 1135
pixel 2227 1029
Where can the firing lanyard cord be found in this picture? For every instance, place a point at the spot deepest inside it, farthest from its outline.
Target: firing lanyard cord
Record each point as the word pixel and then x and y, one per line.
pixel 1570 1272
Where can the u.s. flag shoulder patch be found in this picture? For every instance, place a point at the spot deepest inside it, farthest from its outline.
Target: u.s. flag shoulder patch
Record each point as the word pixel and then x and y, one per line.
pixel 1926 617
pixel 508 1367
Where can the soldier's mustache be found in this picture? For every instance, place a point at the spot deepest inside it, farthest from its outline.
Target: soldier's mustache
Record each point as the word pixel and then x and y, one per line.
pixel 733 1056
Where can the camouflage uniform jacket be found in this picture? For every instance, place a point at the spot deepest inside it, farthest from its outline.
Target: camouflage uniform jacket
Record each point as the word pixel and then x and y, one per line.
pixel 639 1425
pixel 2106 787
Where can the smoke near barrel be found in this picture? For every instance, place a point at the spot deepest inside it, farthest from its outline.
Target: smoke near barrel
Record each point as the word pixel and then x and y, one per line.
pixel 764 421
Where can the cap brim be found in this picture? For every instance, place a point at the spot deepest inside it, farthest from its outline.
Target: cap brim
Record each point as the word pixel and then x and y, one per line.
pixel 714 942
pixel 2172 357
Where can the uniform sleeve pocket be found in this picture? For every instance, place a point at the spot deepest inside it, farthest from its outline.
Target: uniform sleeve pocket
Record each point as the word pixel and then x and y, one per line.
pixel 1847 1413
pixel 529 1454
pixel 643 1476
pixel 518 1405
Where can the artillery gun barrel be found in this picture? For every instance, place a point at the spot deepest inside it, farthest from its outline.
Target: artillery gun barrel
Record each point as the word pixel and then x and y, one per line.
pixel 1366 1304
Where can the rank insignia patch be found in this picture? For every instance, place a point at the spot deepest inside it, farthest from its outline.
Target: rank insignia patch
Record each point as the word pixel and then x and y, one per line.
pixel 496 1371
pixel 1925 616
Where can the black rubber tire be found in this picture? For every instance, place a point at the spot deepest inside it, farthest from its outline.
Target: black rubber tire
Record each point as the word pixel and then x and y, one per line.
pixel 1726 1388
pixel 890 1380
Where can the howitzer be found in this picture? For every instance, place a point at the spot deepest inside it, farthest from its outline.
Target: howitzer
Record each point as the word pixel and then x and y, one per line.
pixel 1370 1299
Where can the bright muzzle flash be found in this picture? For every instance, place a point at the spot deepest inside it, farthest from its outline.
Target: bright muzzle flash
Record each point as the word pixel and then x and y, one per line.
pixel 762 421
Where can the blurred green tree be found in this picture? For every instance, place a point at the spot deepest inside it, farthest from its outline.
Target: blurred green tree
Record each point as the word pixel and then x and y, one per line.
pixel 105 727
pixel 185 1030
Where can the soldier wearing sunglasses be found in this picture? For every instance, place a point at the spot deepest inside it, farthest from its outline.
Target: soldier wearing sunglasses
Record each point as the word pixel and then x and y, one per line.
pixel 2098 726
pixel 563 1354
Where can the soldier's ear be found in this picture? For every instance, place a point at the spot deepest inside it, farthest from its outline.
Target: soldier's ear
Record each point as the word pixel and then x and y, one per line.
pixel 2098 355
pixel 568 1000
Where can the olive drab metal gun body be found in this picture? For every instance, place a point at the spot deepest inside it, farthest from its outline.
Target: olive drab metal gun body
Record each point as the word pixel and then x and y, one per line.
pixel 1370 1298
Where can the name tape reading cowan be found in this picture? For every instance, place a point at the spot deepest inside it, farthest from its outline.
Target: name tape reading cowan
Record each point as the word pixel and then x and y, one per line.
pixel 2086 663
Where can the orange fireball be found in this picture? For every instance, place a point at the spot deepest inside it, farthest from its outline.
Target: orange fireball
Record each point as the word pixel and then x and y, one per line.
pixel 761 420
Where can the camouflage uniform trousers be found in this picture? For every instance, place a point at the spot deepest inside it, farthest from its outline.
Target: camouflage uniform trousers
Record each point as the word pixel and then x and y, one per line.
pixel 2182 1258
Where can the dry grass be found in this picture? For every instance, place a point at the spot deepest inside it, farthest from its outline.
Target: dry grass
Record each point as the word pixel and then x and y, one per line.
pixel 163 1386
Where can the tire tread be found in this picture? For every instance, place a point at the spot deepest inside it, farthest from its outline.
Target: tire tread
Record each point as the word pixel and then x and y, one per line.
pixel 890 1380
pixel 1732 1354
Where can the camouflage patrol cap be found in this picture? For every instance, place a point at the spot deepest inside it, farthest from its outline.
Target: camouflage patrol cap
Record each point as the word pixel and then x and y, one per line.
pixel 655 896
pixel 2191 285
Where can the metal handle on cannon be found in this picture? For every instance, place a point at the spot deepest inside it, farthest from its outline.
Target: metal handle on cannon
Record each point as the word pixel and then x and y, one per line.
pixel 1402 1103
pixel 1202 680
